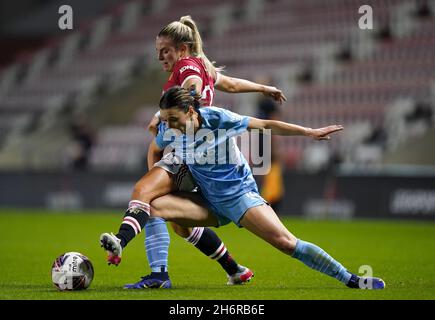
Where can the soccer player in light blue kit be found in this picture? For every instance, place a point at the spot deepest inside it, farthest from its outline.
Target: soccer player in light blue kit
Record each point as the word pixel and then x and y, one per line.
pixel 180 52
pixel 228 192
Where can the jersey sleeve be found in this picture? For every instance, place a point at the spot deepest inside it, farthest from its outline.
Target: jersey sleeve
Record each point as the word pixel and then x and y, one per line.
pixel 165 136
pixel 218 77
pixel 185 70
pixel 231 120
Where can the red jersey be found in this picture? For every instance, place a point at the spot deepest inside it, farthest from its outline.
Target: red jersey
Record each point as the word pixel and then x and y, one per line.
pixel 187 68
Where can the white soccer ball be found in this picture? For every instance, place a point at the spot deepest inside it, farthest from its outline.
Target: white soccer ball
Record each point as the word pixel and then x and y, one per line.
pixel 72 271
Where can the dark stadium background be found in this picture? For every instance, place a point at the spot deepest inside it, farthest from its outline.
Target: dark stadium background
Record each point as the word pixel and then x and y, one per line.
pixel 74 103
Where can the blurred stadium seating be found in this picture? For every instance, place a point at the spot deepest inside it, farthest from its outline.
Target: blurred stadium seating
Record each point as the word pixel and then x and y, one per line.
pixel 378 83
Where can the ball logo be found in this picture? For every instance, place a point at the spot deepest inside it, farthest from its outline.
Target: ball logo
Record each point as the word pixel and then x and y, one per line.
pixel 74 264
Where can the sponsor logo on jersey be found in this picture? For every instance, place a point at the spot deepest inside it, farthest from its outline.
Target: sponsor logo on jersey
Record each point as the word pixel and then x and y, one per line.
pixel 189 68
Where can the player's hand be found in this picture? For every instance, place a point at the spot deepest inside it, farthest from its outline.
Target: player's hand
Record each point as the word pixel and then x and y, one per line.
pixel 275 94
pixel 323 133
pixel 152 126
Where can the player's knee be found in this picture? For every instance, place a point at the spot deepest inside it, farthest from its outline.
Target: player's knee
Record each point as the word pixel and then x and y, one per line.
pixel 285 243
pixel 142 192
pixel 157 208
pixel 181 231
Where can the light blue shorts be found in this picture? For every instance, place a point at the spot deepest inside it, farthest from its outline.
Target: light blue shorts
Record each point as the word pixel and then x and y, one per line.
pixel 234 209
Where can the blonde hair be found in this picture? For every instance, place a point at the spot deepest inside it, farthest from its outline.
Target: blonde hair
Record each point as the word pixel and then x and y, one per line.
pixel 185 31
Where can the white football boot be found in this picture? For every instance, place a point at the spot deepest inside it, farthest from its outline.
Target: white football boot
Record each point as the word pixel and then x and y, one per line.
pixel 113 247
pixel 242 276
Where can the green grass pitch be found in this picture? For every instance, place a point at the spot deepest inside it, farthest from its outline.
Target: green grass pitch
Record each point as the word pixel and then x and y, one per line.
pixel 401 252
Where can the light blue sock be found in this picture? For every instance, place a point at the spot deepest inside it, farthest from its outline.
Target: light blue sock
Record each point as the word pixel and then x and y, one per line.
pixel 157 244
pixel 317 259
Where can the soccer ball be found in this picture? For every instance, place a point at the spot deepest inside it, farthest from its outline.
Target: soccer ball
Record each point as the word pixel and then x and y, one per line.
pixel 72 271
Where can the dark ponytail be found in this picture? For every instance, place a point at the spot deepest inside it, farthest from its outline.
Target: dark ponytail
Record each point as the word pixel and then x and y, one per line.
pixel 180 98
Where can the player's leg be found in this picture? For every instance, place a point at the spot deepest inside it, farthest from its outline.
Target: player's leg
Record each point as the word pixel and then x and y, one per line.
pixel 183 232
pixel 184 207
pixel 162 209
pixel 203 238
pixel 157 238
pixel 208 242
pixel 155 183
pixel 263 222
pixel 156 243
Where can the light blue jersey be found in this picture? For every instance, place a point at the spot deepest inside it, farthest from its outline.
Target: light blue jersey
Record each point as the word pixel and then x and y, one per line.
pixel 214 160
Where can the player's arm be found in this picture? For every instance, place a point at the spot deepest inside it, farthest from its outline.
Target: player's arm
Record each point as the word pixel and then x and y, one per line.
pixel 236 85
pixel 192 83
pixel 288 129
pixel 154 154
pixel 152 126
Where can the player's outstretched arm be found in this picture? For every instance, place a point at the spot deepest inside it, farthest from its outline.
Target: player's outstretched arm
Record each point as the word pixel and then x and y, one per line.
pixel 236 85
pixel 288 129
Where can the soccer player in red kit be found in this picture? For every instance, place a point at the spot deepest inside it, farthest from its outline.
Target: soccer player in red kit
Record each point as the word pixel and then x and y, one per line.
pixel 190 68
pixel 179 50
